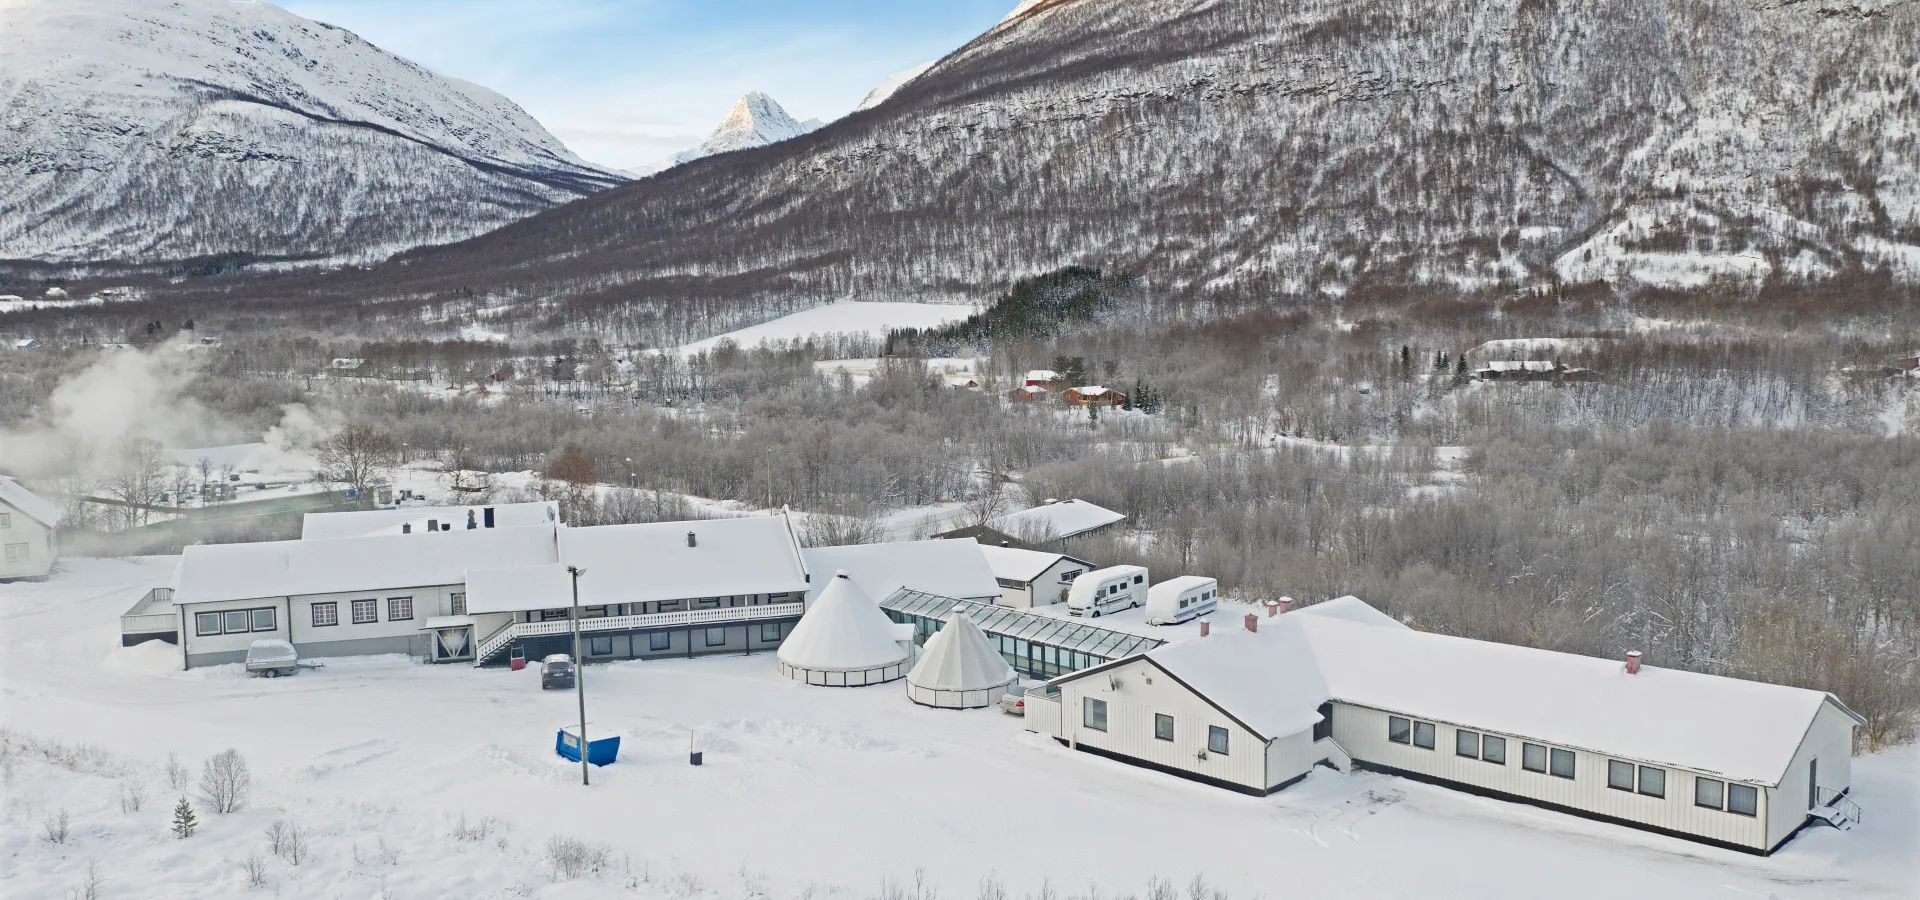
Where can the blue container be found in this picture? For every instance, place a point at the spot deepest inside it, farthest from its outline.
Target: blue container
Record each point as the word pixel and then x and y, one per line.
pixel 600 751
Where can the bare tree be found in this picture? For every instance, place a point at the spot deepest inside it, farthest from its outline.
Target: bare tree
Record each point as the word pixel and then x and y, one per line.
pixel 137 477
pixel 225 782
pixel 359 457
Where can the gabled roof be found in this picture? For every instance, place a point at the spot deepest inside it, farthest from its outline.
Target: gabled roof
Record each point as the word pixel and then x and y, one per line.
pixel 1529 365
pixel 1015 564
pixel 31 505
pixel 320 526
pixel 216 572
pixel 1273 679
pixel 843 630
pixel 644 563
pixel 951 568
pixel 959 657
pixel 1061 519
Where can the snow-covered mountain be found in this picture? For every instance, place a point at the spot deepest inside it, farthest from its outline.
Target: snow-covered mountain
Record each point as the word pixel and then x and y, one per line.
pixel 159 130
pixel 755 121
pixel 892 84
pixel 1269 150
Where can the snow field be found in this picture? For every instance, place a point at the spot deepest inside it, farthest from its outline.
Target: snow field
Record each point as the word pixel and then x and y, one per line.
pixel 846 317
pixel 806 792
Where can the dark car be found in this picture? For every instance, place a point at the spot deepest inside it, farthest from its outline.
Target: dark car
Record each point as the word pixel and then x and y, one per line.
pixel 556 671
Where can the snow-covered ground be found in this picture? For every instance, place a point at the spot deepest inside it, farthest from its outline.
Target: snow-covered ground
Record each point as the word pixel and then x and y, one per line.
pixel 845 317
pixel 806 792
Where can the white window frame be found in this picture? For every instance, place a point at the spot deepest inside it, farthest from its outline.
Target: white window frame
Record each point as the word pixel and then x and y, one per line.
pixel 1088 705
pixel 1160 719
pixel 333 614
pixel 373 608
pixel 394 607
pixel 457 603
pixel 199 624
pixel 246 621
pixel 1220 746
pixel 273 619
pixel 19 552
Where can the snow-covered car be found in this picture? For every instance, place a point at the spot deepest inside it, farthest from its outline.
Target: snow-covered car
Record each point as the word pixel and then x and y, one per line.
pixel 1014 701
pixel 556 671
pixel 272 659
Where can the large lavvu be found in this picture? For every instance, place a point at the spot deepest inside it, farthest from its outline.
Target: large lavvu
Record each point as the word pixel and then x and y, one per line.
pixel 1271 149
pixel 140 131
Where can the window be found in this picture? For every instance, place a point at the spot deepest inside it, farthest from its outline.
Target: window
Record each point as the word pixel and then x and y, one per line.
pixel 236 621
pixel 1653 782
pixel 326 614
pixel 769 631
pixel 1068 576
pixel 365 611
pixel 660 640
pixel 1619 775
pixel 1493 749
pixel 233 621
pixel 1216 740
pixel 16 553
pixel 1466 743
pixel 716 637
pixel 263 619
pixel 457 604
pixel 1093 713
pixel 206 623
pixel 1743 799
pixel 6 520
pixel 1323 729
pixel 399 609
pixel 1137 579
pixel 1399 731
pixel 1162 727
pixel 600 646
pixel 1423 735
pixel 1562 764
pixel 1709 793
pixel 548 615
pixel 1533 758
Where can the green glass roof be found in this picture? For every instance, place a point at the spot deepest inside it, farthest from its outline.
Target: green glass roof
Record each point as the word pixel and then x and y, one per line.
pixel 1028 626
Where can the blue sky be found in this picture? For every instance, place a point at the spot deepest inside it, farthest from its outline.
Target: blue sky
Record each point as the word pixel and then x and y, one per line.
pixel 624 83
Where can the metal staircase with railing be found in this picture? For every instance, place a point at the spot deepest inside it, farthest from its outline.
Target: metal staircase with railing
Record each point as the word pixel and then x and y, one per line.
pixel 496 643
pixel 1835 809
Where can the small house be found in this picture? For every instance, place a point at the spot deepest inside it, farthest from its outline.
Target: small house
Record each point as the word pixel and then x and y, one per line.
pixel 29 532
pixel 1519 370
pixel 950 568
pixel 1057 521
pixel 1907 363
pixel 1093 395
pixel 1041 378
pixel 1723 761
pixel 26 344
pixel 1029 578
pixel 1028 393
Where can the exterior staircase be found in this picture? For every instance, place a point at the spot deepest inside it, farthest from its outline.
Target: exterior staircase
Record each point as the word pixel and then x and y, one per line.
pixel 496 643
pixel 1836 809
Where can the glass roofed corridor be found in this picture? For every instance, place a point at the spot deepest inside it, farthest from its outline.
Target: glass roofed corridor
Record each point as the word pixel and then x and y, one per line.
pixel 1038 646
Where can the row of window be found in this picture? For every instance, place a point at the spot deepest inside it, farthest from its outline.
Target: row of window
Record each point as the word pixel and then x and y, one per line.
pixel 1650 781
pixel 364 612
pixel 235 621
pixel 663 640
pixel 1094 716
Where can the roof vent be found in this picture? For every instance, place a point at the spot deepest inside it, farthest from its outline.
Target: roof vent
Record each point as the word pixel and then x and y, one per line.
pixel 692 541
pixel 1206 627
pixel 406 527
pixel 433 524
pixel 1633 662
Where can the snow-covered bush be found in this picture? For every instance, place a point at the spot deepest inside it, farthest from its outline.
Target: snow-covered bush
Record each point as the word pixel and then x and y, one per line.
pixel 572 857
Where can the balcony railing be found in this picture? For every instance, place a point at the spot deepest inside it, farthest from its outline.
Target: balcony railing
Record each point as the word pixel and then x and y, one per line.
pixel 684 618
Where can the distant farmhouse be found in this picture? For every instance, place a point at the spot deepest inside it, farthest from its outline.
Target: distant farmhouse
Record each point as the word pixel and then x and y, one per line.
pixel 29 532
pixel 1093 395
pixel 1533 370
pixel 1030 578
pixel 1733 763
pixel 1057 521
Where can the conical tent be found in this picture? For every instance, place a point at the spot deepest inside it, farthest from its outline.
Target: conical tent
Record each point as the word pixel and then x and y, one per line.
pixel 843 640
pixel 959 669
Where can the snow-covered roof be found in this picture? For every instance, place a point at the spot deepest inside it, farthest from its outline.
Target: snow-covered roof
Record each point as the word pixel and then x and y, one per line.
pixel 1273 679
pixel 519 588
pixel 214 572
pixel 843 630
pixel 1092 390
pixel 1172 587
pixel 1032 389
pixel 1015 564
pixel 646 563
pixel 1042 375
pixel 30 504
pixel 959 657
pixel 951 568
pixel 320 526
pixel 1061 519
pixel 1521 365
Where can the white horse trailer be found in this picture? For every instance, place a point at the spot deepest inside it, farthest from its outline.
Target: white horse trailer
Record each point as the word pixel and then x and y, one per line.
pixel 1181 599
pixel 1107 590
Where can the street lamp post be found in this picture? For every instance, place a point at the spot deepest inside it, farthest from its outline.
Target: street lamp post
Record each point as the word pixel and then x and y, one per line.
pixel 579 670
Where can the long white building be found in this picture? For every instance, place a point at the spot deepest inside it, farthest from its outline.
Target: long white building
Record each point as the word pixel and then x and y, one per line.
pixel 1729 762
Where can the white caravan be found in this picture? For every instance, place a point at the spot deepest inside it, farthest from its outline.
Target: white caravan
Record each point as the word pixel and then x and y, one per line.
pixel 1107 590
pixel 1181 599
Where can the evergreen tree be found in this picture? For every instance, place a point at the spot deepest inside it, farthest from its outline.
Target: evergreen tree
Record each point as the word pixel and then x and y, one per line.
pixel 183 820
pixel 1406 360
pixel 1460 370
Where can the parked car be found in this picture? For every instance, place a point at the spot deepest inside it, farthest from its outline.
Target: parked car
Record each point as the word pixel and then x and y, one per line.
pixel 1014 701
pixel 556 671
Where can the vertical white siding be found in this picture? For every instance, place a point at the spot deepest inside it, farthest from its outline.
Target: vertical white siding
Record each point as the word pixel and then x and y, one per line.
pixel 1830 740
pixel 1291 757
pixel 41 545
pixel 1363 732
pixel 1145 690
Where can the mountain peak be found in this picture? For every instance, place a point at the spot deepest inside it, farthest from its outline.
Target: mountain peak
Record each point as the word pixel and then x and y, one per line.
pixel 756 120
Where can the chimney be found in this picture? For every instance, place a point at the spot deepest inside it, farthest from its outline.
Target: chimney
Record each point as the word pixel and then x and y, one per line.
pixel 1633 662
pixel 691 540
pixel 1286 604
pixel 406 527
pixel 1273 608
pixel 486 515
pixel 1206 627
pixel 433 524
pixel 1253 622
